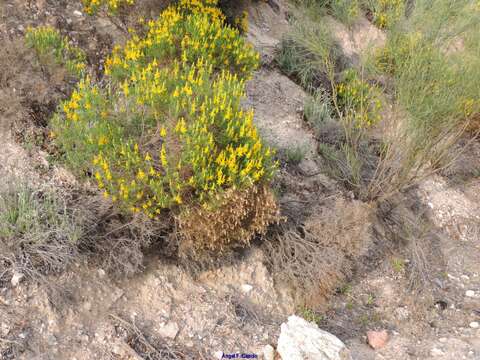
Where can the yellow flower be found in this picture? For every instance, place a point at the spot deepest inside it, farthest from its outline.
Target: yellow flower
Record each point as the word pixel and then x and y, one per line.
pixel 140 175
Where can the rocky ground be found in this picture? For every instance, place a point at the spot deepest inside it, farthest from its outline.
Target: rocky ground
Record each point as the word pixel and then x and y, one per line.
pixel 424 292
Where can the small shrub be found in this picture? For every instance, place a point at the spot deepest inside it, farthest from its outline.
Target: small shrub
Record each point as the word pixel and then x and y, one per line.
pixel 92 6
pixel 307 52
pixel 295 154
pixel 310 315
pixel 49 44
pixel 241 22
pixel 346 11
pixel 359 100
pixel 169 131
pixel 385 13
pixel 398 265
pixel 37 233
pixel 318 109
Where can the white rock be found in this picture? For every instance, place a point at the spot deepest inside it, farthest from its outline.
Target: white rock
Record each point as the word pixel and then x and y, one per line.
pixel 246 288
pixel 302 340
pixel 169 330
pixel 268 352
pixel 436 352
pixel 16 278
pixel 77 13
pixel 4 329
pixel 469 293
pixel 474 325
pixel 218 354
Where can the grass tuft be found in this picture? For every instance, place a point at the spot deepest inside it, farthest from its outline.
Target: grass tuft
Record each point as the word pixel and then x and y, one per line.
pixel 38 234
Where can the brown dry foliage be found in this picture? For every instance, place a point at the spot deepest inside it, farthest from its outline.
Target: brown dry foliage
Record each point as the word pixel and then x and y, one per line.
pixel 474 124
pixel 315 257
pixel 237 218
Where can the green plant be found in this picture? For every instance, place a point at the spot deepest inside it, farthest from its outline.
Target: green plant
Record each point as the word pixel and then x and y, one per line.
pixel 241 22
pixel 370 299
pixel 398 265
pixel 359 100
pixel 307 52
pixel 49 44
pixel 318 109
pixel 310 315
pixel 385 13
pixel 345 289
pixel 295 154
pixel 434 101
pixel 435 90
pixel 38 234
pixel 168 132
pixel 92 6
pixel 346 11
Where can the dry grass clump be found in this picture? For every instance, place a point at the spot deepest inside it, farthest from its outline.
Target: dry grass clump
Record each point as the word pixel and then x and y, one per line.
pixel 143 346
pixel 115 241
pixel 314 257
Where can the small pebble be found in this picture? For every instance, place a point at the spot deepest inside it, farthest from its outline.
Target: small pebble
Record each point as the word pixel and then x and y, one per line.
pixel 377 339
pixel 469 293
pixel 474 325
pixel 436 352
pixel 268 352
pixel 246 288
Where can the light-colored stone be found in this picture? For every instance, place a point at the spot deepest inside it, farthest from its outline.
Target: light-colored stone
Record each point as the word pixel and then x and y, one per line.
pixel 218 354
pixel 169 330
pixel 474 325
pixel 436 352
pixel 268 352
pixel 469 293
pixel 302 340
pixel 246 288
pixel 16 278
pixel 77 13
pixel 377 339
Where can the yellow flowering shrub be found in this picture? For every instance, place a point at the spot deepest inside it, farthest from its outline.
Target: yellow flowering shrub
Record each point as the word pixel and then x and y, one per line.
pixel 169 131
pixel 49 43
pixel 92 6
pixel 359 99
pixel 241 22
pixel 397 51
pixel 386 13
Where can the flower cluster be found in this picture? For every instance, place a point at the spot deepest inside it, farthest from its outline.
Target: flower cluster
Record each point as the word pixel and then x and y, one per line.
pixel 241 22
pixel 387 12
pixel 48 42
pixel 359 99
pixel 92 6
pixel 170 128
pixel 181 34
pixel 397 51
